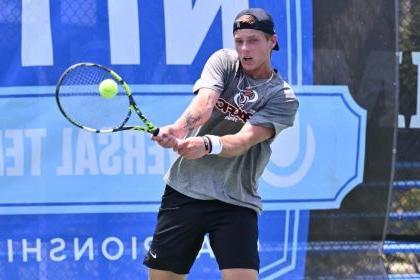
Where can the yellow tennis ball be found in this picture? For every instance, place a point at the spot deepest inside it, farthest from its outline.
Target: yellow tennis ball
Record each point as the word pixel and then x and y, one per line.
pixel 108 88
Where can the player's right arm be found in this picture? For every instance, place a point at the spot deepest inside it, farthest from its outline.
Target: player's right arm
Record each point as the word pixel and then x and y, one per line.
pixel 197 113
pixel 208 89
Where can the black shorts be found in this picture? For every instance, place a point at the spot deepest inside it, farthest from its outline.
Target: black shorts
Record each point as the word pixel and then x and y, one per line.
pixel 182 224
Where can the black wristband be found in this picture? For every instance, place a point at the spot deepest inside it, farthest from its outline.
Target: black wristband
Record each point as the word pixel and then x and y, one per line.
pixel 207 144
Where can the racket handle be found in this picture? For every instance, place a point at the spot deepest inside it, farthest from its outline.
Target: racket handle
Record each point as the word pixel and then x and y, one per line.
pixel 156 132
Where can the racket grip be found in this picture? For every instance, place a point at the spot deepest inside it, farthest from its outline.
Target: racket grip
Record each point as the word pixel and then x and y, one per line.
pixel 156 132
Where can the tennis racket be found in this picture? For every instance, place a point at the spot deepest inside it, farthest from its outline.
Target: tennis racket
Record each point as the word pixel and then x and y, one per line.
pixel 79 100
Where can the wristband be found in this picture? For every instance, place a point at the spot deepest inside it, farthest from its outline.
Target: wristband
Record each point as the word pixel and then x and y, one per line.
pixel 215 144
pixel 207 144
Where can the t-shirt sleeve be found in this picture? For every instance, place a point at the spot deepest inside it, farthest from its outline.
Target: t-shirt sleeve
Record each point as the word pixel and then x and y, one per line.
pixel 213 73
pixel 278 113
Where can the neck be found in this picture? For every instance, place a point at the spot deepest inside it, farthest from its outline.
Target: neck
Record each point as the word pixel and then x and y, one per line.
pixel 258 74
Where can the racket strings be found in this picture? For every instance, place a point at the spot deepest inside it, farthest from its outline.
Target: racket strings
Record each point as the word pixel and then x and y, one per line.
pixel 82 103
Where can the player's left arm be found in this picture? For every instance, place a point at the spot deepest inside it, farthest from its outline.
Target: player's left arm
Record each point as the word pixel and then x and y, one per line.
pixel 232 145
pixel 277 115
pixel 250 135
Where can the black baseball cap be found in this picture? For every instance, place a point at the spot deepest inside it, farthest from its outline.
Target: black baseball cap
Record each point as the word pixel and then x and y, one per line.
pixel 263 22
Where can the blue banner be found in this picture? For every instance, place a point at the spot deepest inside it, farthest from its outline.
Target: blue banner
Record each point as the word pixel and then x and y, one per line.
pixel 112 246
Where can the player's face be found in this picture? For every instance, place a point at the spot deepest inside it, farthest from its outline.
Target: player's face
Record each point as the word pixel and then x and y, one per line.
pixel 254 50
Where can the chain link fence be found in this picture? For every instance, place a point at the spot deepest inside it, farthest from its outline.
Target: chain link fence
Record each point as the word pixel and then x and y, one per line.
pixel 402 246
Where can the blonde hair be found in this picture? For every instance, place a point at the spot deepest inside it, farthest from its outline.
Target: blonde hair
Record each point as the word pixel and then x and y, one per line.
pixel 250 19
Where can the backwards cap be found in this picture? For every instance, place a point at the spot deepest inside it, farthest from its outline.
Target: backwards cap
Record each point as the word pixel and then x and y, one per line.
pixel 263 22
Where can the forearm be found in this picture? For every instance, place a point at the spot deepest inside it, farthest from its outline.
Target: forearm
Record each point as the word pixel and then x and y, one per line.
pixel 197 147
pixel 237 144
pixel 198 112
pixel 226 146
pixel 234 145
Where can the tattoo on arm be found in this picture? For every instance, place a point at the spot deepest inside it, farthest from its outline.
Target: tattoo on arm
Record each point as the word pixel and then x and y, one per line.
pixel 191 121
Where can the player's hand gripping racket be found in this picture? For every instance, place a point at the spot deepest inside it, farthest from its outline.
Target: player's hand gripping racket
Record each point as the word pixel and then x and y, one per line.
pixel 97 99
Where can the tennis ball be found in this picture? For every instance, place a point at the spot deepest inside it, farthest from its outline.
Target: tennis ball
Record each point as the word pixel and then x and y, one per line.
pixel 108 88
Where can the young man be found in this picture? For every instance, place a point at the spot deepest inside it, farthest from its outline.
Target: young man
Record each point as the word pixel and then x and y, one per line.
pixel 223 139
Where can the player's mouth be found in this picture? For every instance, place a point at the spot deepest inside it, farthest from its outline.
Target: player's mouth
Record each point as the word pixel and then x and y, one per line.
pixel 247 59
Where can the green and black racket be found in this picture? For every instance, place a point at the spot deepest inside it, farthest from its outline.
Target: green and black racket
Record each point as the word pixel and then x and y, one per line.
pixel 79 100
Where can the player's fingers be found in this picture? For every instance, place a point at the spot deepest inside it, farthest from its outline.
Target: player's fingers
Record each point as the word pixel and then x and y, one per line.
pixel 156 138
pixel 180 146
pixel 171 142
pixel 164 132
pixel 176 146
pixel 188 151
pixel 166 144
pixel 163 141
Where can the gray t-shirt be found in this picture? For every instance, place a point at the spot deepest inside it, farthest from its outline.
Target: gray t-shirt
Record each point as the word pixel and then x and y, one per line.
pixel 269 103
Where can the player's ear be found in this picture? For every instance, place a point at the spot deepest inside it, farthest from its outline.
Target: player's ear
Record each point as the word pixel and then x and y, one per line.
pixel 273 40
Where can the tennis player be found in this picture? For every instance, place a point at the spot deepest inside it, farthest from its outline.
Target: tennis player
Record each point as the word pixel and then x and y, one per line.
pixel 223 139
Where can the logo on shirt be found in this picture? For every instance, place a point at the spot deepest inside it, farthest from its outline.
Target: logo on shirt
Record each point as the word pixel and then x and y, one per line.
pixel 232 111
pixel 245 96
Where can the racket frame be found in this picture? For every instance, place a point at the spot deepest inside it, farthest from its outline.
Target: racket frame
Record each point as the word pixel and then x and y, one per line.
pixel 132 107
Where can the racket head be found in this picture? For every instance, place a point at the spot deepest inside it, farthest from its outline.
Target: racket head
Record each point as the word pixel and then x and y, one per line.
pixel 78 98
